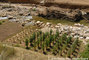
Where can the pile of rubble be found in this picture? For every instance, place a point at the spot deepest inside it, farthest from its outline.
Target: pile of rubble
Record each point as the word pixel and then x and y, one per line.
pixel 77 31
pixel 15 14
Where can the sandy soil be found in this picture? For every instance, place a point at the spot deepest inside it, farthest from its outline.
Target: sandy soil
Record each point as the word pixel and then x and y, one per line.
pixel 9 28
pixel 23 54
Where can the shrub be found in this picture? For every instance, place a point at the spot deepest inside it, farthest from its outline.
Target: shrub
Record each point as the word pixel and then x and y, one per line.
pixel 0 23
pixel 26 43
pixel 51 32
pixel 85 53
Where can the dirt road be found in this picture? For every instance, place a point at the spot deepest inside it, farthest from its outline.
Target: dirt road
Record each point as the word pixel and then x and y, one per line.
pixel 79 2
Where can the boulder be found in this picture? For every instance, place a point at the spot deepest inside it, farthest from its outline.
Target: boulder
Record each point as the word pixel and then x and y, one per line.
pixel 21 13
pixel 76 36
pixel 86 16
pixel 38 22
pixel 10 17
pixel 87 31
pixel 10 9
pixel 48 24
pixel 81 37
pixel 87 38
pixel 78 25
pixel 57 26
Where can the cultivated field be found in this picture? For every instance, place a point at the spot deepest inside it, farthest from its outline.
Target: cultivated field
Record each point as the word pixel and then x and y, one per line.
pixel 8 28
pixel 61 39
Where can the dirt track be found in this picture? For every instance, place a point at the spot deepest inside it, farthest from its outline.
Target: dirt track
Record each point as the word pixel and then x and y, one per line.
pixel 79 2
pixel 73 4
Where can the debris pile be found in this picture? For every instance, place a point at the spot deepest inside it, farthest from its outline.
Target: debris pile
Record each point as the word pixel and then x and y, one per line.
pixel 77 31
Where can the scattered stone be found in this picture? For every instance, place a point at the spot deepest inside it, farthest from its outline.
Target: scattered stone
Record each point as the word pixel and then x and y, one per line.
pixel 79 25
pixel 10 17
pixel 87 38
pixel 81 37
pixel 48 24
pixel 59 24
pixel 38 22
pixel 76 36
pixel 87 31
pixel 21 13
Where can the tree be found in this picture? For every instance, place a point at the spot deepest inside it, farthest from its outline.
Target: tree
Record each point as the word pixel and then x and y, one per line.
pixel 27 43
pixel 57 34
pixel 85 53
pixel 0 23
pixel 74 45
pixel 51 32
pixel 54 50
pixel 64 38
pixel 51 39
pixel 44 36
pixel 69 39
pixel 40 32
pixel 35 46
pixel 34 36
pixel 46 43
pixel 59 43
pixel 31 40
pixel 43 47
pixel 60 51
pixel 69 53
pixel 54 38
pixel 39 40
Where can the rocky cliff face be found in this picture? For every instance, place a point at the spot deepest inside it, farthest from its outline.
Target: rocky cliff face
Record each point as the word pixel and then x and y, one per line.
pixel 72 15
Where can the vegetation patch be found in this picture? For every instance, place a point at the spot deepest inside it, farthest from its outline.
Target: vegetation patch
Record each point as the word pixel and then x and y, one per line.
pixel 85 53
pixel 64 22
pixel 1 22
pixel 6 52
pixel 49 43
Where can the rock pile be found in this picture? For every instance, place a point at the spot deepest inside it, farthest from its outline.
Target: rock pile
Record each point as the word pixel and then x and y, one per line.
pixel 77 31
pixel 19 38
pixel 16 14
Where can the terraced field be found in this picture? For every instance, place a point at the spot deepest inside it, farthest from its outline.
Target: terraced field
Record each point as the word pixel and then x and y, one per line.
pixel 30 43
pixel 49 43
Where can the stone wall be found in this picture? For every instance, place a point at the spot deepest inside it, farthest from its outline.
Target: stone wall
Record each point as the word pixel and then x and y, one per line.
pixel 20 37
